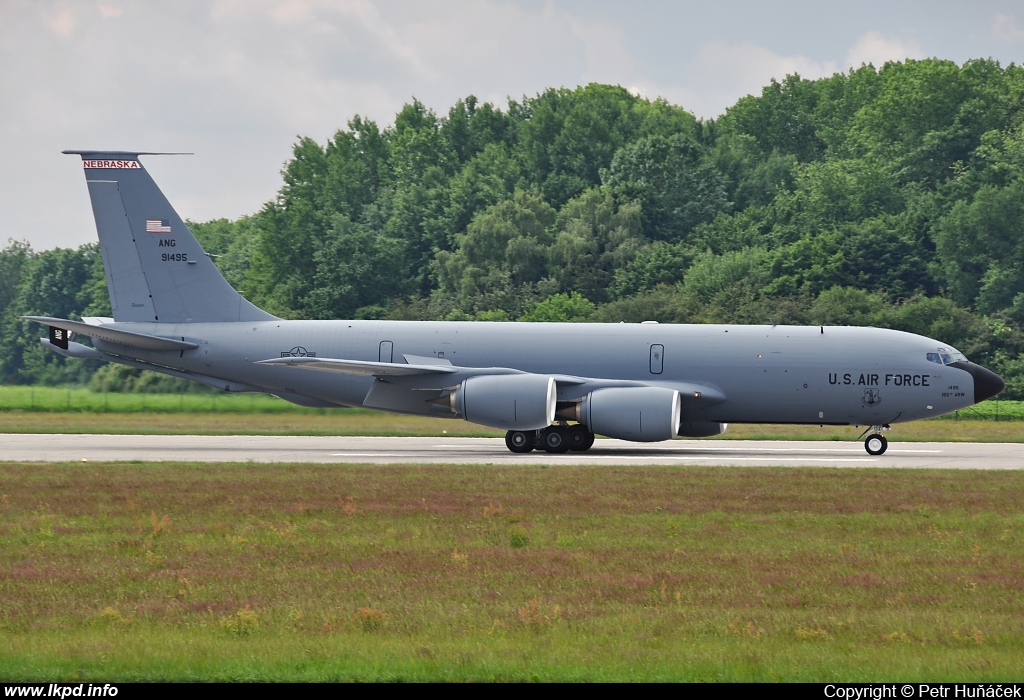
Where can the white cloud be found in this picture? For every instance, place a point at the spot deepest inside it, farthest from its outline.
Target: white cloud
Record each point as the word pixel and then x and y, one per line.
pixel 236 81
pixel 877 49
pixel 62 23
pixel 607 59
pixel 1005 28
pixel 110 11
pixel 721 73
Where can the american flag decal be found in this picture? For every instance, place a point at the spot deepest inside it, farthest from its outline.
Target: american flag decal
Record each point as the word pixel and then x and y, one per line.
pixel 158 226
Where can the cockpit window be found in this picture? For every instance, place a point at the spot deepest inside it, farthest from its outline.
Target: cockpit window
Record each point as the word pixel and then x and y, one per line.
pixel 946 356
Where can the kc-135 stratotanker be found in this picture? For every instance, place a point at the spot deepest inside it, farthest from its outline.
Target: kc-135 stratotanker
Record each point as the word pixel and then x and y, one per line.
pixel 552 386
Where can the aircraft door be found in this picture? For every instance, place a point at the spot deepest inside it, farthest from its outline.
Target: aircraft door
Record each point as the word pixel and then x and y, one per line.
pixel 657 359
pixel 386 351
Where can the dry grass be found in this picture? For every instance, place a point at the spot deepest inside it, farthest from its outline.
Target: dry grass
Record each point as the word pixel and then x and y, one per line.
pixel 302 572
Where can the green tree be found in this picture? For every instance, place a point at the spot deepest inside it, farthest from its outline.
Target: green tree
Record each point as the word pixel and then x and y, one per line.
pixel 58 283
pixel 355 268
pixel 675 187
pixel 711 274
pixel 930 115
pixel 659 263
pixel 423 161
pixel 595 236
pixel 14 258
pixel 665 304
pixel 501 259
pixel 980 248
pixel 561 308
pixel 782 119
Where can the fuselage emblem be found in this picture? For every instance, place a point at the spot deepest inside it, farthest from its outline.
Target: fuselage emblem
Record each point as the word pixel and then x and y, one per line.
pixel 298 351
pixel 871 397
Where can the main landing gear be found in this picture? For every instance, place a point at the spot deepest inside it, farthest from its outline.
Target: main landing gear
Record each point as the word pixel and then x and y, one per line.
pixel 876 444
pixel 555 439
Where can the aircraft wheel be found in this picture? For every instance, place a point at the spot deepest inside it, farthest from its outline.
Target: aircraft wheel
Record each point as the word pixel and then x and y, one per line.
pixel 519 441
pixel 580 439
pixel 554 439
pixel 876 444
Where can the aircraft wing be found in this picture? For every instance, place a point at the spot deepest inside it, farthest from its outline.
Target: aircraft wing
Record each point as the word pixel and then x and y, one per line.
pixel 143 341
pixel 417 366
pixel 427 367
pixel 360 368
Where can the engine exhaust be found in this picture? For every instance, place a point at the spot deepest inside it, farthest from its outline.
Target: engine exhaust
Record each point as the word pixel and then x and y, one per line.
pixel 570 411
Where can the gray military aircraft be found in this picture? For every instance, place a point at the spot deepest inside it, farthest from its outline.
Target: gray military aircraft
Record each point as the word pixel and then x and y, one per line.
pixel 552 386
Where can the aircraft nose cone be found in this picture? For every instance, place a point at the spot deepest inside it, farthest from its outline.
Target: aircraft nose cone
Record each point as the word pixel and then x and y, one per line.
pixel 986 382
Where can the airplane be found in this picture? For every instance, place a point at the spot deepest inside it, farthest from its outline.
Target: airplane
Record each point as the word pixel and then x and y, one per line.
pixel 551 386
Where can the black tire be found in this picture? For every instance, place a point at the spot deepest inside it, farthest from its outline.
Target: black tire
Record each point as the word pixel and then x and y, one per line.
pixel 554 439
pixel 876 444
pixel 580 439
pixel 519 441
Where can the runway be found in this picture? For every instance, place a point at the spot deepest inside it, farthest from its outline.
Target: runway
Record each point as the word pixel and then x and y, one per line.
pixel 425 450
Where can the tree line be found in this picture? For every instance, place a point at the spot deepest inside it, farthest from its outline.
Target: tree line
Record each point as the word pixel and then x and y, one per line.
pixel 891 197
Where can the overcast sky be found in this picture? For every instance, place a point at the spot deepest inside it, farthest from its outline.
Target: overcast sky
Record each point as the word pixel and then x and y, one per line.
pixel 236 81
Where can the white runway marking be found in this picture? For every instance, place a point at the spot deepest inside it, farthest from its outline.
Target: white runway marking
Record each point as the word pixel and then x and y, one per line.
pixel 734 459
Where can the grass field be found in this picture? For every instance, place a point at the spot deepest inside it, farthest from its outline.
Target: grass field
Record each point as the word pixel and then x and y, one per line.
pixel 40 399
pixel 49 410
pixel 175 571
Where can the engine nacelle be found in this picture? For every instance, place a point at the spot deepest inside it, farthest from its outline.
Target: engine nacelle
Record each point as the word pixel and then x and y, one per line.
pixel 701 429
pixel 640 414
pixel 507 401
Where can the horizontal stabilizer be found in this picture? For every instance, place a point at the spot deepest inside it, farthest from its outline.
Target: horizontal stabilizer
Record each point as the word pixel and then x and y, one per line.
pixel 359 368
pixel 142 341
pixel 75 350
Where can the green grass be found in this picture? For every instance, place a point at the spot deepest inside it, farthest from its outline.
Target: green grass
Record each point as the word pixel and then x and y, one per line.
pixel 993 409
pixel 69 399
pixel 46 410
pixel 299 572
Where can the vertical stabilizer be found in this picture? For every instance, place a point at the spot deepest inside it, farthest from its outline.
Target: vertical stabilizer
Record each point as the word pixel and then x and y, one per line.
pixel 156 269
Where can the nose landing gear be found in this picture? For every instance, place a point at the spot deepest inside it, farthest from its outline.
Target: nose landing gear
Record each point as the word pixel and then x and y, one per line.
pixel 875 444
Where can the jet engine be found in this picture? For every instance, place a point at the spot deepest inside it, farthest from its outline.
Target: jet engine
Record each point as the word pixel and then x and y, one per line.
pixel 640 414
pixel 507 401
pixel 701 429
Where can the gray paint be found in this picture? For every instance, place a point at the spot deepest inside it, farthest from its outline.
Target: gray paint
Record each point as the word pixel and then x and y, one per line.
pixel 724 373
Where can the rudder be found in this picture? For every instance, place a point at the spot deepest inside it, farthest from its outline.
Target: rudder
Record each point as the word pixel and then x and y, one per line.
pixel 156 270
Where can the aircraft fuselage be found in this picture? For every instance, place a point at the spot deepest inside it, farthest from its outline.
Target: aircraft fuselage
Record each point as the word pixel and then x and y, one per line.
pixel 764 374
